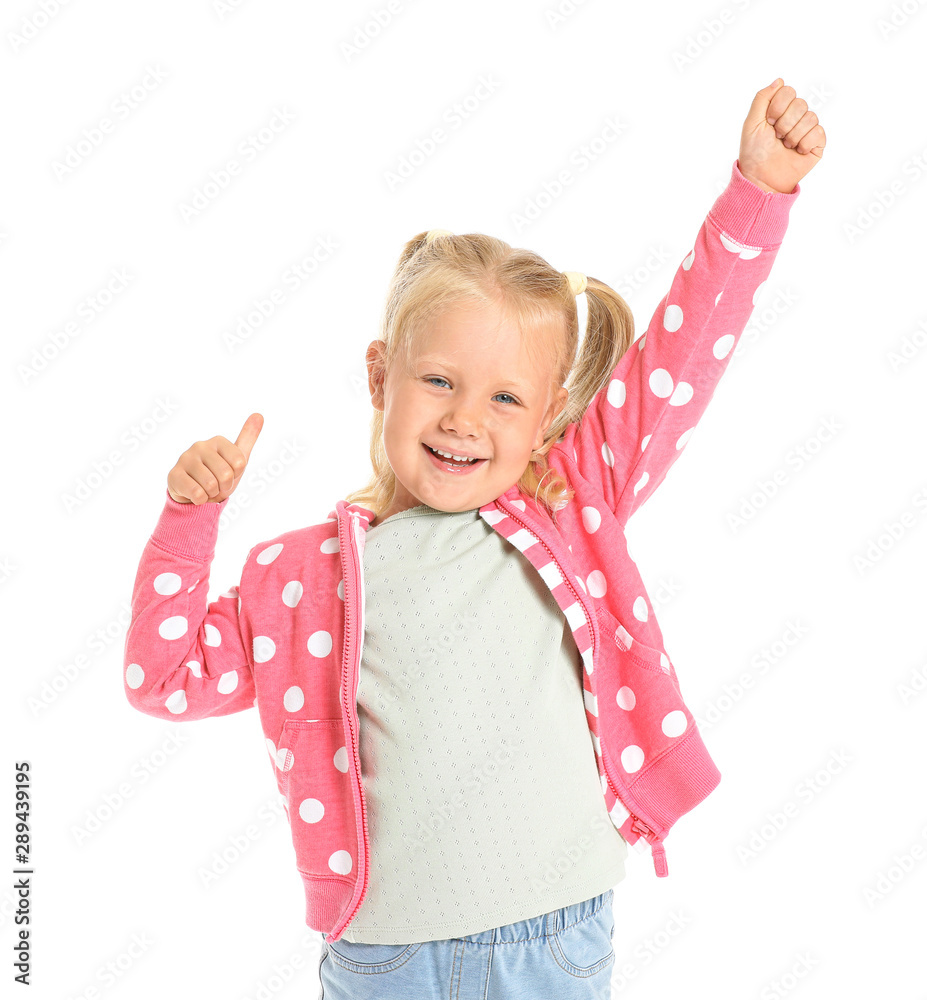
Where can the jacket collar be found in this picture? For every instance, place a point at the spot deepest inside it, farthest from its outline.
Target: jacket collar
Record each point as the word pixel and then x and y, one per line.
pixel 367 515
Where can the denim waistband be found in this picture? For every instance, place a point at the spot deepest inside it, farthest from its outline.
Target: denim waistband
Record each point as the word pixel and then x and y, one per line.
pixel 542 925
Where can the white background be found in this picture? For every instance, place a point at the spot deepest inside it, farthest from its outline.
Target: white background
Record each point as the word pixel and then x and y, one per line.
pixel 148 372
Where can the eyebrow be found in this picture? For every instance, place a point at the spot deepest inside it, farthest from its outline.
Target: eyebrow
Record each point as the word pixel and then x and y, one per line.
pixel 435 359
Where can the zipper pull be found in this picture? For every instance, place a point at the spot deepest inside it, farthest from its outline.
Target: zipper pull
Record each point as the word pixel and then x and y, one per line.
pixel 656 847
pixel 659 860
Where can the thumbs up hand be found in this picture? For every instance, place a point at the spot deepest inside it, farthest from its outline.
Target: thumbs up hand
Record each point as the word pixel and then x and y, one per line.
pixel 209 471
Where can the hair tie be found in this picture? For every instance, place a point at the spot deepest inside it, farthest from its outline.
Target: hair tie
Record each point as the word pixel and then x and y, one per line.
pixel 432 233
pixel 577 281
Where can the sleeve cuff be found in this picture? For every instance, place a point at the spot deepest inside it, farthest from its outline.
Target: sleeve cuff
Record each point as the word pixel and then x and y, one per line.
pixel 751 215
pixel 188 529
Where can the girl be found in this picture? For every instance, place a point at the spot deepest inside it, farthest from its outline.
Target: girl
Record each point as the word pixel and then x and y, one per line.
pixel 464 693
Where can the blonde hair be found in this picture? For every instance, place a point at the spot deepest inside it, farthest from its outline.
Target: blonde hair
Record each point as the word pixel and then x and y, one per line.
pixel 479 270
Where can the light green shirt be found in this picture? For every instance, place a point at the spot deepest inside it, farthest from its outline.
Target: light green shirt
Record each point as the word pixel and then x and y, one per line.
pixel 483 800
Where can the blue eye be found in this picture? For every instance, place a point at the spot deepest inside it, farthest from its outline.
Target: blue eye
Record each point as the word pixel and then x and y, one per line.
pixel 436 378
pixel 512 398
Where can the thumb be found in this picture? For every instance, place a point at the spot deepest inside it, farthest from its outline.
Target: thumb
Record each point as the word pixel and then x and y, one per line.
pixel 249 434
pixel 760 106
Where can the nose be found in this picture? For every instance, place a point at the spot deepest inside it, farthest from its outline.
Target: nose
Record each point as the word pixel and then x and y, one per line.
pixel 463 419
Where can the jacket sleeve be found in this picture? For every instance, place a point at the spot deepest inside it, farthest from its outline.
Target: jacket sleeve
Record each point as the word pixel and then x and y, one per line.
pixel 638 423
pixel 185 659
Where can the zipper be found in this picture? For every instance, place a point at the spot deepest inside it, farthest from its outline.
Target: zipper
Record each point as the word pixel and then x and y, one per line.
pixel 348 709
pixel 640 827
pixel 637 824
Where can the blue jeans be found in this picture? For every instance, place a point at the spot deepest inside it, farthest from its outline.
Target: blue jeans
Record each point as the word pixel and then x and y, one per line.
pixel 565 954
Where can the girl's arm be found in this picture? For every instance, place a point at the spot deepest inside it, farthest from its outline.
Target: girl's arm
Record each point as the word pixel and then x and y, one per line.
pixel 639 423
pixel 184 659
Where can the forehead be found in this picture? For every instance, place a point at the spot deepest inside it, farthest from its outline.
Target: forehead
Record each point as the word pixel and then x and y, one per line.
pixel 483 337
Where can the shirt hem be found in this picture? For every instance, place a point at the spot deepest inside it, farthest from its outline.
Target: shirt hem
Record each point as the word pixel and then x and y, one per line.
pixel 402 935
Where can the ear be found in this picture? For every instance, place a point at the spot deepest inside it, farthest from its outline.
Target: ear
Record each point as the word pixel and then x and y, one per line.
pixel 559 402
pixel 376 355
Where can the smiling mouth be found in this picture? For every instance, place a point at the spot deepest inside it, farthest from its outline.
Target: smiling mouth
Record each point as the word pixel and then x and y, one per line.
pixel 453 463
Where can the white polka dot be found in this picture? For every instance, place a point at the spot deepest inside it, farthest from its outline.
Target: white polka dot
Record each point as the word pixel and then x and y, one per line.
pixel 134 675
pixel 580 582
pixel 340 590
pixel 284 759
pixel 641 483
pixel 617 392
pixel 640 609
pixel 227 682
pixel 520 504
pixel 718 297
pixel 292 592
pixel 269 554
pixel 674 724
pixel 591 519
pixel 681 394
pixel 722 346
pixel 607 456
pixel 660 382
pixel 748 253
pixel 311 810
pixel 687 263
pixel 340 760
pixel 320 643
pixel 212 637
pixel 194 667
pixel 293 698
pixel 664 663
pixel 758 291
pixel 173 628
pixel 231 592
pixel 330 545
pixel 177 702
pixel 672 318
pixel 263 648
pixel 340 862
pixel 730 244
pixel 271 747
pixel 683 438
pixel 625 698
pixel 646 441
pixel 596 583
pixel 640 342
pixel 167 583
pixel 631 758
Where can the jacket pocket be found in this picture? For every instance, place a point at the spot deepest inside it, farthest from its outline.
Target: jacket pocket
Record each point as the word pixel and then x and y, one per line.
pixel 315 783
pixel 647 656
pixel 641 711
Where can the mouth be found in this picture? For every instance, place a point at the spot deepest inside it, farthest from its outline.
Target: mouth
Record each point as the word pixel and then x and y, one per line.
pixel 450 464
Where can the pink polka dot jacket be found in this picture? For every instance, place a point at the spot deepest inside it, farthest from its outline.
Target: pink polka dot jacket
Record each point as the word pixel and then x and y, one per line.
pixel 287 638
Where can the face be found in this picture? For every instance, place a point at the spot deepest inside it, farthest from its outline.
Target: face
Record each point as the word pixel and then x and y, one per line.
pixel 473 392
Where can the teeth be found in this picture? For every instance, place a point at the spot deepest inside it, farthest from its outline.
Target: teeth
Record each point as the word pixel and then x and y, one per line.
pixel 447 454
